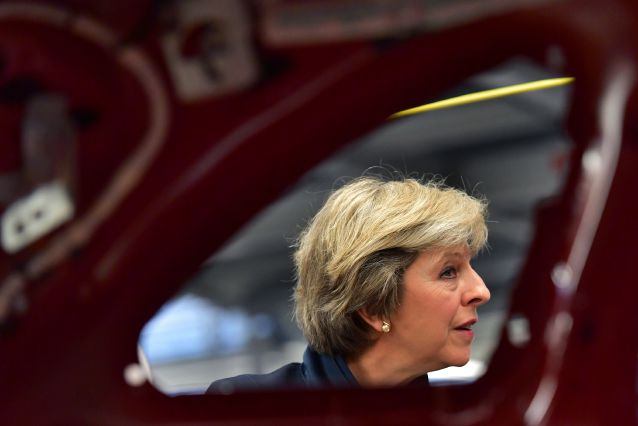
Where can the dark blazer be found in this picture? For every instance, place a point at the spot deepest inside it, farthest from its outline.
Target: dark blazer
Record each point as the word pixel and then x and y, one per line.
pixel 316 370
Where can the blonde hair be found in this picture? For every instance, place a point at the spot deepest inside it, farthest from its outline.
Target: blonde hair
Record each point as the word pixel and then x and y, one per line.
pixel 353 253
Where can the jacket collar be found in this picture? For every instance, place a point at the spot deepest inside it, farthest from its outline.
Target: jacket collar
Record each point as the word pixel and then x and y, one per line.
pixel 321 370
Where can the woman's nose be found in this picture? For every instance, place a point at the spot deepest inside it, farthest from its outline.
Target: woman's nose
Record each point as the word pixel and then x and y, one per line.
pixel 477 293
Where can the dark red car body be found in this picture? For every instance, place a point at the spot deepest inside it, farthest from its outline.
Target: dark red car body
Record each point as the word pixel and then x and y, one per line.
pixel 160 183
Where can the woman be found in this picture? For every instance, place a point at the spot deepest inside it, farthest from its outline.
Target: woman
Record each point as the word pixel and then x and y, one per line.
pixel 385 290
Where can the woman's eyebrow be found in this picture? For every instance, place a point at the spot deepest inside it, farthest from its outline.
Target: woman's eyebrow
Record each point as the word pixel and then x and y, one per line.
pixel 453 254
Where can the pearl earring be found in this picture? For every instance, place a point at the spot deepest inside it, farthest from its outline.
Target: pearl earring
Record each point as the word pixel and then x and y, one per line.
pixel 385 326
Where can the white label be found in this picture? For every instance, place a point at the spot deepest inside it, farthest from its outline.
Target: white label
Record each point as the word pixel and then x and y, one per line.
pixel 35 215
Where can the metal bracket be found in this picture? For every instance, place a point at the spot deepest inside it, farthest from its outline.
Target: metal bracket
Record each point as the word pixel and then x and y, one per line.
pixel 223 61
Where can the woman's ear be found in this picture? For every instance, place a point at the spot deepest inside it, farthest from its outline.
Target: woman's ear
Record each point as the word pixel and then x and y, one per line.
pixel 374 321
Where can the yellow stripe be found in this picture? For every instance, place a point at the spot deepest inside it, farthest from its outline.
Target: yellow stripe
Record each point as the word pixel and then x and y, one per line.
pixel 485 95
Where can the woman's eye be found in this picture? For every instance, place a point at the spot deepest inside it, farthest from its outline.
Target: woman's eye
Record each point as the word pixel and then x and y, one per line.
pixel 449 272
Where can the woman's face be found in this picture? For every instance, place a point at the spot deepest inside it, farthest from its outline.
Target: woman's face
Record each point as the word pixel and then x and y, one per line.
pixel 441 291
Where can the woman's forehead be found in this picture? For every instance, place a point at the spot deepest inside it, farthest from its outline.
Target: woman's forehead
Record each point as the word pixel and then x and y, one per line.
pixel 460 251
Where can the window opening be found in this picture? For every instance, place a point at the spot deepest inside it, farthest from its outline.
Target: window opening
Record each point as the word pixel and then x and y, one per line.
pixel 234 315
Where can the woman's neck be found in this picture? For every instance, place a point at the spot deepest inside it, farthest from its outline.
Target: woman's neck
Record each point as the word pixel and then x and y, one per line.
pixel 379 367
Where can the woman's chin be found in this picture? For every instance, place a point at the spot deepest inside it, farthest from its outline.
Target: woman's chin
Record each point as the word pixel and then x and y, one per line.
pixel 458 360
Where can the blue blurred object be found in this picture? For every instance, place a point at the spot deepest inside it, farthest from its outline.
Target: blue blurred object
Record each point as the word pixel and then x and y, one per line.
pixel 191 327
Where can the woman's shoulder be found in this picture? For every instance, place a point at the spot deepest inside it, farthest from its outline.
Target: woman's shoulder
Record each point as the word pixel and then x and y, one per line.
pixel 289 376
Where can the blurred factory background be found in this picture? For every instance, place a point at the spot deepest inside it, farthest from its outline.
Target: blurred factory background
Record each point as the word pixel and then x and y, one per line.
pixel 234 315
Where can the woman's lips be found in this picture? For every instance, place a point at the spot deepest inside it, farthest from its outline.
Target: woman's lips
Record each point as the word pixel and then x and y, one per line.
pixel 465 332
pixel 466 329
pixel 467 325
